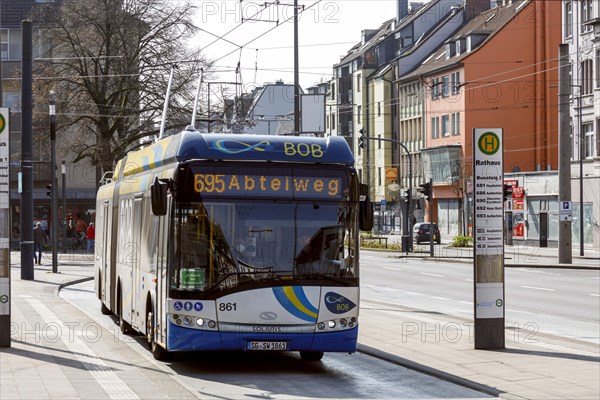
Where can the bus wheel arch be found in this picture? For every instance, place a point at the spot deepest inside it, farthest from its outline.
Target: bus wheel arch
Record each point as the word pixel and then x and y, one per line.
pixel 103 309
pixel 158 352
pixel 123 325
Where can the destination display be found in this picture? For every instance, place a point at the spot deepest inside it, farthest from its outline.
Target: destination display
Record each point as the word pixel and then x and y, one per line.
pixel 264 183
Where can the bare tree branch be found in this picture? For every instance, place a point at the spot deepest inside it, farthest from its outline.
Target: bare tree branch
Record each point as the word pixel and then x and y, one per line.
pixel 111 60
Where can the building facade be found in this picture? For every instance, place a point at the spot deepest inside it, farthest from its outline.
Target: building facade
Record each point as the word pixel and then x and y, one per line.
pixel 80 178
pixel 581 31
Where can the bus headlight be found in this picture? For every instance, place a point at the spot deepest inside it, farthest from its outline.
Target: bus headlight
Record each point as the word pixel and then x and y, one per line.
pixel 212 324
pixel 199 322
pixel 321 326
pixel 331 324
pixel 187 320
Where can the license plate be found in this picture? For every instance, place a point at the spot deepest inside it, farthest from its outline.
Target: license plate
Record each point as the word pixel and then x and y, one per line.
pixel 267 345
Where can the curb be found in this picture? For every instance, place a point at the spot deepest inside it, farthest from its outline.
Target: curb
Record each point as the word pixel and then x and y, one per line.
pixel 436 373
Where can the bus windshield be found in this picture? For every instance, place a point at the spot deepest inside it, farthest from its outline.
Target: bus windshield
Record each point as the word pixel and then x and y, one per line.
pixel 222 242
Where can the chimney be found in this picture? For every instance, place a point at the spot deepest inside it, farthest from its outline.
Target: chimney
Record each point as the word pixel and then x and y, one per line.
pixel 475 7
pixel 402 9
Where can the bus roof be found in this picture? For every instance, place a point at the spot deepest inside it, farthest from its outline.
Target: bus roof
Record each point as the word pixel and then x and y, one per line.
pixel 193 145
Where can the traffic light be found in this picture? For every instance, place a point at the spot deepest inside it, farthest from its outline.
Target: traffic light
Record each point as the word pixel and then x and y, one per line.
pixel 49 192
pixel 362 140
pixel 507 192
pixel 426 190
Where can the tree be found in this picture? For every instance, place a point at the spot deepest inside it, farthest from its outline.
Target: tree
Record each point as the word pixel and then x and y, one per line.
pixel 109 63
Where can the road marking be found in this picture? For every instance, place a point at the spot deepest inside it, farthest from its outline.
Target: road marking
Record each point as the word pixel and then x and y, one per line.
pixel 538 288
pixel 393 269
pixel 594 294
pixel 466 302
pixel 535 271
pixel 428 274
pixel 414 293
pixel 469 280
pixel 114 387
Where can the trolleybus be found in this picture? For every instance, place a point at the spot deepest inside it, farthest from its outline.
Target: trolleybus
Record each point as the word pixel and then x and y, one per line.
pixel 234 242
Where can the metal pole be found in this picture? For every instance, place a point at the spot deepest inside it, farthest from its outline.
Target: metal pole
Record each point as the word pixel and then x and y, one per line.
pixel 208 107
pixel 166 105
pixel 193 123
pixel 27 154
pixel 408 218
pixel 565 233
pixel 431 231
pixel 54 190
pixel 296 74
pixel 581 151
pixel 63 169
pixel 410 179
pixel 5 233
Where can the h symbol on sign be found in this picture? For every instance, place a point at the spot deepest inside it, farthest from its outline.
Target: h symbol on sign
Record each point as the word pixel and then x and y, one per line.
pixel 489 142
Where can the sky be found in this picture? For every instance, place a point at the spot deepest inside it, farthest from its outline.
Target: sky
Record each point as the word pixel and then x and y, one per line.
pixel 326 31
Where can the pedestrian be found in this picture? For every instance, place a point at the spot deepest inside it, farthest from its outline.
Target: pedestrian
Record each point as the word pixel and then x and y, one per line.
pixel 80 230
pixel 40 238
pixel 91 236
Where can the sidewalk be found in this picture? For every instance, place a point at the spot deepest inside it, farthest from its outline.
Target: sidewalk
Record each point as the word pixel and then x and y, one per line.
pixel 533 365
pixel 517 255
pixel 59 352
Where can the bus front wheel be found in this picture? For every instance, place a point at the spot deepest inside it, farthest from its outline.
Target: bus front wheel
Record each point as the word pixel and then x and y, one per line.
pixel 158 352
pixel 311 355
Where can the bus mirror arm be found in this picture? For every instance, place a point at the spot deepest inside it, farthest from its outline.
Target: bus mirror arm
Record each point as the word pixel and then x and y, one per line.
pixel 158 195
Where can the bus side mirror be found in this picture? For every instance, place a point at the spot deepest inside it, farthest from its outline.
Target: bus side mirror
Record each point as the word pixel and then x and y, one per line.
pixel 365 210
pixel 158 196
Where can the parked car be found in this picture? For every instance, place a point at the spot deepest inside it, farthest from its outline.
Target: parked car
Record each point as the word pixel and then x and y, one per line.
pixel 421 232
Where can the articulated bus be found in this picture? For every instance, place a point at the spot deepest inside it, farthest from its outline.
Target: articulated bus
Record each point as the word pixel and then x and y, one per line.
pixel 209 242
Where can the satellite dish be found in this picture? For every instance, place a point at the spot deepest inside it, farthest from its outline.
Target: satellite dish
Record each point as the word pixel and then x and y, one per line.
pixel 393 187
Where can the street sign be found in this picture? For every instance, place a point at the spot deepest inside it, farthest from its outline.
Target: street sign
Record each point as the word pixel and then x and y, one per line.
pixel 565 211
pixel 489 197
pixel 488 244
pixel 393 187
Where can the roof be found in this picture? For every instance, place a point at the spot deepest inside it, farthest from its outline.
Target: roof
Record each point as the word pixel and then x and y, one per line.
pixel 488 23
pixel 359 48
pixel 12 12
pixel 193 145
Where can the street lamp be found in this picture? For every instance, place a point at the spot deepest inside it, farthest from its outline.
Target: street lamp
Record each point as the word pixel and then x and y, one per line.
pixel 407 229
pixel 54 200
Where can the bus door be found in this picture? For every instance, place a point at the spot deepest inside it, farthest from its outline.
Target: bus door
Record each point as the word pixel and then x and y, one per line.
pixel 161 274
pixel 105 251
pixel 137 304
